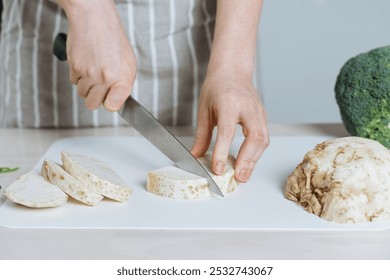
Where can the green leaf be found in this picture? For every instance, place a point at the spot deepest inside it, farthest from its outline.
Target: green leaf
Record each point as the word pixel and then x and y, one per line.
pixel 8 169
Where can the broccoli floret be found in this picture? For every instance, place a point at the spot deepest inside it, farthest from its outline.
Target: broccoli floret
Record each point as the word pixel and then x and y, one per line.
pixel 363 95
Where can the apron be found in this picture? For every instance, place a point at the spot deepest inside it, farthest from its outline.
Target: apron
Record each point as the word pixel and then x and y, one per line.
pixel 171 39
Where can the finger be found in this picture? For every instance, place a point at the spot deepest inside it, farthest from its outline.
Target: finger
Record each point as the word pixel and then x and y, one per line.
pixel 256 141
pixel 96 96
pixel 74 77
pixel 225 133
pixel 83 87
pixel 116 96
pixel 203 134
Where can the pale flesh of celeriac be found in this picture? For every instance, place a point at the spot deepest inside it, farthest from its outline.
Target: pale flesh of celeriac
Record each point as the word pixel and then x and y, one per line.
pixel 174 182
pixel 32 190
pixel 97 175
pixel 56 174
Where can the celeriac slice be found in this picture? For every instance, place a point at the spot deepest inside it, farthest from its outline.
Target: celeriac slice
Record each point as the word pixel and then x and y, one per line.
pixel 32 190
pixel 57 175
pixel 97 175
pixel 174 182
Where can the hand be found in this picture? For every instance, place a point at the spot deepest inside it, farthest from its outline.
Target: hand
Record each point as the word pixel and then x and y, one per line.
pixel 101 59
pixel 228 99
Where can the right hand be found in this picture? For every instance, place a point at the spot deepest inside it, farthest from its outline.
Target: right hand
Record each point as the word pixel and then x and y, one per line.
pixel 101 60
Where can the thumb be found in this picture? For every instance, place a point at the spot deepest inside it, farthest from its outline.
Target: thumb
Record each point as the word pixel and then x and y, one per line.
pixel 116 96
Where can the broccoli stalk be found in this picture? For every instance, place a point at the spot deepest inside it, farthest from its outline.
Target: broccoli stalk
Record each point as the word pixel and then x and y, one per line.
pixel 363 95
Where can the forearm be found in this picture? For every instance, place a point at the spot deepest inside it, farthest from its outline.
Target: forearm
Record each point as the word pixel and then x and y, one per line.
pixel 79 11
pixel 235 35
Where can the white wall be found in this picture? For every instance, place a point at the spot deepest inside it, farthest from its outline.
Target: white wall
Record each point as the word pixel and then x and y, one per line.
pixel 304 43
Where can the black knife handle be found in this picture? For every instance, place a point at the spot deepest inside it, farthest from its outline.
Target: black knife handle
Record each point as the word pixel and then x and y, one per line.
pixel 59 46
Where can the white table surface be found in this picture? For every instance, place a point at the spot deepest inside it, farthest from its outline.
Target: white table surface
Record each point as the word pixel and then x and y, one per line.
pixel 24 147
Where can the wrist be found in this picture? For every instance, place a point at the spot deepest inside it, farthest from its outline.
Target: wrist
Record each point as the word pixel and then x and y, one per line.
pixel 233 65
pixel 233 53
pixel 77 10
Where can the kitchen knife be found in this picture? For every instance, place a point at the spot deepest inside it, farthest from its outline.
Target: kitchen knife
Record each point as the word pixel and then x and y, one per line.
pixel 147 125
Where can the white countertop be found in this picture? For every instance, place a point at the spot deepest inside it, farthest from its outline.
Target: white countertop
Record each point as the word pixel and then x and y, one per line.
pixel 24 147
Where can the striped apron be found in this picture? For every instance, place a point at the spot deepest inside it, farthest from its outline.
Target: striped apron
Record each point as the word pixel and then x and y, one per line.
pixel 171 39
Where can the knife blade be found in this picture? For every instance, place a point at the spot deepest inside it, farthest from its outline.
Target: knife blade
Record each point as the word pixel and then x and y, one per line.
pixel 148 126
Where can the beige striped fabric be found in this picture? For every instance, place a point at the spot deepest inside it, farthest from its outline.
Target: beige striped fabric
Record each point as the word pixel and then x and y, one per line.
pixel 171 39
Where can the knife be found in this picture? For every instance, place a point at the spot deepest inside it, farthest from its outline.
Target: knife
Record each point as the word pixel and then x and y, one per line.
pixel 147 125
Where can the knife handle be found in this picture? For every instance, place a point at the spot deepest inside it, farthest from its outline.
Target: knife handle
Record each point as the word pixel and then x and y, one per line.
pixel 59 46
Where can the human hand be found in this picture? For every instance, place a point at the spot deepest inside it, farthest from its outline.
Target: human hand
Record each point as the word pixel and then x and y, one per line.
pixel 101 59
pixel 227 99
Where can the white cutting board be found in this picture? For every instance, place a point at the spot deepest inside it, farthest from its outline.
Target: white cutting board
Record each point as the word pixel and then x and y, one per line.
pixel 256 205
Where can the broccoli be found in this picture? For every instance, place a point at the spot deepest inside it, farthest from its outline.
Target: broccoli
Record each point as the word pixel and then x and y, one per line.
pixel 363 95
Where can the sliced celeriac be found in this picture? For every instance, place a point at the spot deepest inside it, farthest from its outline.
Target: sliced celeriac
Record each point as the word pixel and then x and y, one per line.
pixel 97 175
pixel 32 190
pixel 57 175
pixel 174 182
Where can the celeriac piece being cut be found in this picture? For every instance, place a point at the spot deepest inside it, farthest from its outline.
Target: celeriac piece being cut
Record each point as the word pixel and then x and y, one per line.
pixel 174 182
pixel 344 180
pixel 57 175
pixel 32 190
pixel 97 175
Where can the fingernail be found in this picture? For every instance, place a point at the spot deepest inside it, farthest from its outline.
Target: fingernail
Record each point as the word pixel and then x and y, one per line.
pixel 243 175
pixel 219 167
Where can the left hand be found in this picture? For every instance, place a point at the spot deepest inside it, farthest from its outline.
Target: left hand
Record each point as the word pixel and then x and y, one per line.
pixel 227 99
